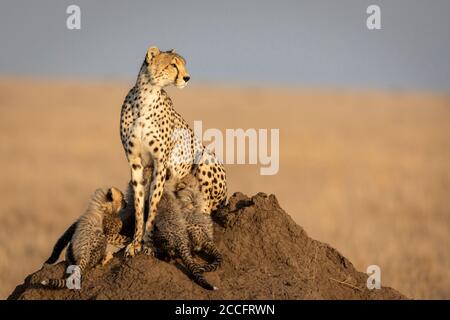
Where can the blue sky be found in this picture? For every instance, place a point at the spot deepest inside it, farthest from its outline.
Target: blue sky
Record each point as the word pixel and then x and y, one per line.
pixel 295 43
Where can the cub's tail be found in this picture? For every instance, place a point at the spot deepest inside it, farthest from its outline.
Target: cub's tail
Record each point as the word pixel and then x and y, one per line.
pixel 63 283
pixel 211 250
pixel 194 269
pixel 61 244
pixel 54 283
pixel 198 277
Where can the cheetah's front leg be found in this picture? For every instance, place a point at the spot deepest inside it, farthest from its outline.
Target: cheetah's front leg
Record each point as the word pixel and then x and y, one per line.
pixel 156 190
pixel 137 181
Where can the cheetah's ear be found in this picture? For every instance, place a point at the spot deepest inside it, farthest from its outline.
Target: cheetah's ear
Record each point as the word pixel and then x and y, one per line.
pixel 152 52
pixel 171 51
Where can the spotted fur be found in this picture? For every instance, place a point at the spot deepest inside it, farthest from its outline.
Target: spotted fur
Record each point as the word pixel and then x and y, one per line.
pixel 154 135
pixel 89 236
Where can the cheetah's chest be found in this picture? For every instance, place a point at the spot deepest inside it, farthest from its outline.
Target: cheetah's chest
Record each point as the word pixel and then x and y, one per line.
pixel 158 132
pixel 150 132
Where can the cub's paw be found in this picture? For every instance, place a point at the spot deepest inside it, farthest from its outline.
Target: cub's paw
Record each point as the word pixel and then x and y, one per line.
pixel 148 247
pixel 149 250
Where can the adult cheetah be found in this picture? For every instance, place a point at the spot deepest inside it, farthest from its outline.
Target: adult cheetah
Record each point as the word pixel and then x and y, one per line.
pixel 155 136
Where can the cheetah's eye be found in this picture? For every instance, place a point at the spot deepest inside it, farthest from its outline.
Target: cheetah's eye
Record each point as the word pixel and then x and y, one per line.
pixel 174 65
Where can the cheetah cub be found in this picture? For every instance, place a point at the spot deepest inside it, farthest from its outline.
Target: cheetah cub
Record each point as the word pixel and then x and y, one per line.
pixel 91 233
pixel 181 227
pixel 199 225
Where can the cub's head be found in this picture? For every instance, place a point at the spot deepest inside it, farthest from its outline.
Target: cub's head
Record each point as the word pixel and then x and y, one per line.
pixel 188 181
pixel 114 201
pixel 188 193
pixel 166 68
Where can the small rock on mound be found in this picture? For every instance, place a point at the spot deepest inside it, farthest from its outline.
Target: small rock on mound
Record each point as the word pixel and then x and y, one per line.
pixel 266 256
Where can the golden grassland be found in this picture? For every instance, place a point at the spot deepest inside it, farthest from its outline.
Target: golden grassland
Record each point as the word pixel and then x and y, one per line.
pixel 367 172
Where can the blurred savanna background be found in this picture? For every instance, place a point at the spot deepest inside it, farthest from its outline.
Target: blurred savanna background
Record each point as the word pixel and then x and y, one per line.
pixel 364 118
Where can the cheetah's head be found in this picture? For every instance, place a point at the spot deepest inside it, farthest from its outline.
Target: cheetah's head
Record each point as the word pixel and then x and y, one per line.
pixel 166 68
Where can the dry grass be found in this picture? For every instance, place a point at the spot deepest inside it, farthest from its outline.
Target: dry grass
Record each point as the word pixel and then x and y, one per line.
pixel 366 172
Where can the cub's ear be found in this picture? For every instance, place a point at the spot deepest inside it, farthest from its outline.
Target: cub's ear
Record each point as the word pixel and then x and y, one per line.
pixel 181 186
pixel 114 194
pixel 109 195
pixel 152 52
pixel 171 51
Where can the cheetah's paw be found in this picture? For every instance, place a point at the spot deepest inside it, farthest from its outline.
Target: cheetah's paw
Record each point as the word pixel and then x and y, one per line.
pixel 133 248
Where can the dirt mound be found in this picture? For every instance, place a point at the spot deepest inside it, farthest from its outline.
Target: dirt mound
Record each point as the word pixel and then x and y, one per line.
pixel 266 256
